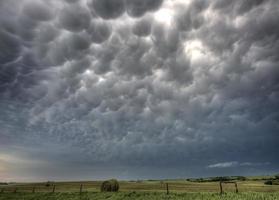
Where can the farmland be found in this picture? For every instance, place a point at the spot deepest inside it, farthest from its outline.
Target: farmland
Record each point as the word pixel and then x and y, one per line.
pixel 140 196
pixel 148 189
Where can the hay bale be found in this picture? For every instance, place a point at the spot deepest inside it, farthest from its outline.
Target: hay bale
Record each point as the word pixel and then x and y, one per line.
pixel 110 186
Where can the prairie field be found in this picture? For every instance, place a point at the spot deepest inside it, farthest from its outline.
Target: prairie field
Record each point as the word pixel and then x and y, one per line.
pixel 140 196
pixel 152 189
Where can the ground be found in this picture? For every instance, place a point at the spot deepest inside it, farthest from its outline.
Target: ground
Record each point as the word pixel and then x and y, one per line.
pixel 141 190
pixel 140 196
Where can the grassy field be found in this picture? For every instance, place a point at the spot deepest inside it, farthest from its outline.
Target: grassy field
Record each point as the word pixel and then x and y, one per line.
pixel 139 196
pixel 251 189
pixel 144 186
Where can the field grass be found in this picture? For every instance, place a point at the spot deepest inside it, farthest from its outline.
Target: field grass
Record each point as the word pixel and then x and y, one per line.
pixel 145 186
pixel 250 189
pixel 139 196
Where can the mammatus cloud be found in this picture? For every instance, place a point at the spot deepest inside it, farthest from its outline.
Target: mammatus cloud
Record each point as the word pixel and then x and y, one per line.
pixel 140 85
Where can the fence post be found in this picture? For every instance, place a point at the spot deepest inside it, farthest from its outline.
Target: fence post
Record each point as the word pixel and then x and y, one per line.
pixel 221 188
pixel 33 189
pixel 53 189
pixel 236 189
pixel 15 190
pixel 80 189
pixel 2 190
pixel 167 186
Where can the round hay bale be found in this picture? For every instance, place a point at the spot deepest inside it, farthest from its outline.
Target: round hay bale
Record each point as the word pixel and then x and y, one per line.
pixel 110 186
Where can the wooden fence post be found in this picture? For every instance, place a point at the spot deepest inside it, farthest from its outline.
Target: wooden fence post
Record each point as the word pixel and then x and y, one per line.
pixel 80 189
pixel 33 189
pixel 236 189
pixel 221 188
pixel 167 186
pixel 53 189
pixel 15 190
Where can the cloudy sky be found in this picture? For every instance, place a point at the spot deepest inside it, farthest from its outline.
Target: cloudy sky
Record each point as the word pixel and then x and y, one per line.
pixel 138 89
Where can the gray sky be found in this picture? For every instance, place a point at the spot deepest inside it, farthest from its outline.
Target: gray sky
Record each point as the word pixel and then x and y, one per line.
pixel 138 89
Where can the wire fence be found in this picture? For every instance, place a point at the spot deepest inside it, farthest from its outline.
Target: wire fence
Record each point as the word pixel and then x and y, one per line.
pixel 166 187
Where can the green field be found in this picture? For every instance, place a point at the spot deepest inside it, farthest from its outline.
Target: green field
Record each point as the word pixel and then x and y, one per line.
pixel 250 189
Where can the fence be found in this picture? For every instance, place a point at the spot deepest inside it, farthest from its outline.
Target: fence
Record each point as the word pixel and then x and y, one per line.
pixel 125 186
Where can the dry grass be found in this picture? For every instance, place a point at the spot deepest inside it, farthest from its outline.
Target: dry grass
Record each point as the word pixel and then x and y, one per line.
pixel 154 186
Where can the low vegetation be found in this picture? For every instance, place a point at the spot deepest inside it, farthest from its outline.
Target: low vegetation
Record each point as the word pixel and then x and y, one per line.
pixel 218 178
pixel 249 188
pixel 139 196
pixel 49 183
pixel 272 182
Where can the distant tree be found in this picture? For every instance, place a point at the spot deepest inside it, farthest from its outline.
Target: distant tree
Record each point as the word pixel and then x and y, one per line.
pixel 220 178
pixel 200 180
pixel 241 178
pixel 49 183
pixel 269 182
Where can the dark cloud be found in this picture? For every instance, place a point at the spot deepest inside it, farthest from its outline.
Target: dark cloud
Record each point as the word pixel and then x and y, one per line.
pixel 46 33
pixel 137 8
pixel 108 9
pixel 190 88
pixel 74 18
pixel 191 17
pixel 238 8
pixel 10 46
pixel 99 31
pixel 142 27
pixel 71 1
pixel 79 42
pixel 38 11
pixel 166 41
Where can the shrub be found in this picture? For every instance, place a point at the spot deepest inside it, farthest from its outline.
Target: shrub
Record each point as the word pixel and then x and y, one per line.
pixel 110 186
pixel 241 178
pixel 220 178
pixel 269 182
pixel 49 183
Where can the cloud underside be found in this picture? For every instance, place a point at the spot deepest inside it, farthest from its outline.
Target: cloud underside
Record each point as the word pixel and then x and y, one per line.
pixel 140 83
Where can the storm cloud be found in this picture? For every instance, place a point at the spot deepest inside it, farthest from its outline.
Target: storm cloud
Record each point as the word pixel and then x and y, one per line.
pixel 184 86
